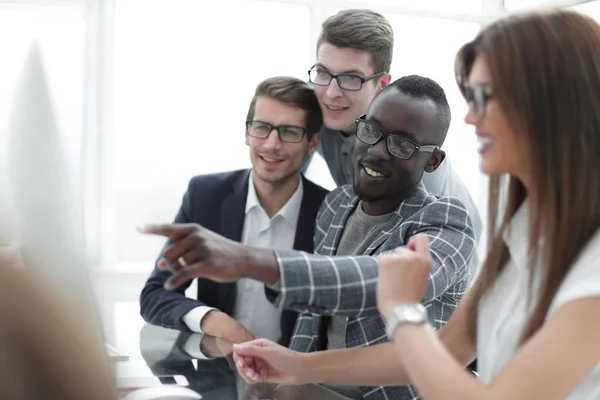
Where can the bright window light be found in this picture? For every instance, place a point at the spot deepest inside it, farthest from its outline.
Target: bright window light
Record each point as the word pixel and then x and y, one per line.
pixel 185 72
pixel 516 5
pixel 592 9
pixel 60 33
pixel 469 7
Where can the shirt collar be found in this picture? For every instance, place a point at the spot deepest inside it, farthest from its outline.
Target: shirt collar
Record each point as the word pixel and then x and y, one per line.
pixel 251 198
pixel 290 210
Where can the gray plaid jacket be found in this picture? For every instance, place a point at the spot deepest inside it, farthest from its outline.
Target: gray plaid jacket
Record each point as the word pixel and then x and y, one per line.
pixel 319 284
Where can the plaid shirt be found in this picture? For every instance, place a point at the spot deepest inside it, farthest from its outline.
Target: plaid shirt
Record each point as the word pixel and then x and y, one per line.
pixel 319 284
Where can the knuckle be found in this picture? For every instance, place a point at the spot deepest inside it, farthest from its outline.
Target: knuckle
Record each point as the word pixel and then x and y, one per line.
pixel 186 273
pixel 197 238
pixel 169 255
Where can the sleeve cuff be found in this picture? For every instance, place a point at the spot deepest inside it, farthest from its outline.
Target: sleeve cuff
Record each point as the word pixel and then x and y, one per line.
pixel 273 292
pixel 277 285
pixel 194 317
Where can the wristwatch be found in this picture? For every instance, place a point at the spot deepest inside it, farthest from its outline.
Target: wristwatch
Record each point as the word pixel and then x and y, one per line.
pixel 405 313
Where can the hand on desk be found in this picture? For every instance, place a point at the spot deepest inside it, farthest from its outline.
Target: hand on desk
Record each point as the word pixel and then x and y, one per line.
pixel 197 252
pixel 218 324
pixel 225 332
pixel 265 361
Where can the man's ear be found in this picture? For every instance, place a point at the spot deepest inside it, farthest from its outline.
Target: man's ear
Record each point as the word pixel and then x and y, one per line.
pixel 384 81
pixel 246 140
pixel 435 160
pixel 313 143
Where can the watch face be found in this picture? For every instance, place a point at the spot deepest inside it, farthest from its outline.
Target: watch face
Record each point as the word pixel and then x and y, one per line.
pixel 413 314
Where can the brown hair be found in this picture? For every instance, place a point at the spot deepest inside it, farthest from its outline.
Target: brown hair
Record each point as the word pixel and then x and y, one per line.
pixel 46 349
pixel 545 74
pixel 295 93
pixel 361 29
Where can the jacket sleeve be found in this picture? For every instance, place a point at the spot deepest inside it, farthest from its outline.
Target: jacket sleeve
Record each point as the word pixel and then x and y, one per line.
pixel 347 285
pixel 162 307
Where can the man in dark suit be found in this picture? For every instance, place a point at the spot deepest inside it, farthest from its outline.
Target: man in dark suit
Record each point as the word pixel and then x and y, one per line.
pixel 271 205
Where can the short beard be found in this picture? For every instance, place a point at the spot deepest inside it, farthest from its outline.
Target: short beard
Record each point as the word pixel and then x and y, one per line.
pixel 369 198
pixel 366 197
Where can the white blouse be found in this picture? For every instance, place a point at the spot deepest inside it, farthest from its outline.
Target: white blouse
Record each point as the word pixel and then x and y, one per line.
pixel 503 313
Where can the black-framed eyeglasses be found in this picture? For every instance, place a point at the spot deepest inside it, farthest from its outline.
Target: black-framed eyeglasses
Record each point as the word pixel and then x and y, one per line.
pixel 369 133
pixel 478 97
pixel 286 133
pixel 345 81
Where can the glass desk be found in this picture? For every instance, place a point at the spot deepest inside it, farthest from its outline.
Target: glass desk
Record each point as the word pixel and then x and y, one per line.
pixel 203 360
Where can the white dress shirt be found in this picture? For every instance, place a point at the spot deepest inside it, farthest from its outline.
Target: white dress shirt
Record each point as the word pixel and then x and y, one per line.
pixel 503 313
pixel 252 309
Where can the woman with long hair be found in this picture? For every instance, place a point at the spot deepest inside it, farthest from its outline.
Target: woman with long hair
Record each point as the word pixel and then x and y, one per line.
pixel 532 318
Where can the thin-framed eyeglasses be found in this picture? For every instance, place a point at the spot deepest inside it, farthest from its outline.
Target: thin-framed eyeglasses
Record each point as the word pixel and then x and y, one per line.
pixel 477 97
pixel 286 133
pixel 369 133
pixel 345 81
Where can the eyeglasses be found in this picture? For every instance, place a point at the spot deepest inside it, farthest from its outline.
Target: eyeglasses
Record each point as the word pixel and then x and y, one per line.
pixel 286 133
pixel 477 97
pixel 344 81
pixel 369 133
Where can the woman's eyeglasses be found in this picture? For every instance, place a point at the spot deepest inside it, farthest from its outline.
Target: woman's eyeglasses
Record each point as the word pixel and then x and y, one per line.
pixel 478 97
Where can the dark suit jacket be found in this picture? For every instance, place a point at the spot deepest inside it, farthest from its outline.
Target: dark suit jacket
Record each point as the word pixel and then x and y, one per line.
pixel 218 202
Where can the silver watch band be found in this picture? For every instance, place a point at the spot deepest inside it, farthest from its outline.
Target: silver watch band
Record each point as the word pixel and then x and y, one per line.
pixel 405 313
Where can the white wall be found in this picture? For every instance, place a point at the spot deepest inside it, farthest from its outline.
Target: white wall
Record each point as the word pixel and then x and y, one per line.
pixel 151 92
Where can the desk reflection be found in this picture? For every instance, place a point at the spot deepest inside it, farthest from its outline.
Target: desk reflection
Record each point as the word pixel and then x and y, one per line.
pixel 207 364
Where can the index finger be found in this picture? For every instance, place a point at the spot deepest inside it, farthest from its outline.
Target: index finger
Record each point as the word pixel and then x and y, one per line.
pixel 172 231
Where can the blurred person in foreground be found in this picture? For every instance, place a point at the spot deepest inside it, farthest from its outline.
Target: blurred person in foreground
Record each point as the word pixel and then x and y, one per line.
pixel 45 350
pixel 532 318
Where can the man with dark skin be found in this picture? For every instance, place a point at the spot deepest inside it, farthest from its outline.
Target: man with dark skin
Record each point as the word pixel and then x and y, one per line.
pixel 396 142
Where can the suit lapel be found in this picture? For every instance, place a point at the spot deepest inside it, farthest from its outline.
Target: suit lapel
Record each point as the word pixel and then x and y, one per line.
pixel 395 219
pixel 305 228
pixel 303 241
pixel 336 229
pixel 233 210
pixel 332 241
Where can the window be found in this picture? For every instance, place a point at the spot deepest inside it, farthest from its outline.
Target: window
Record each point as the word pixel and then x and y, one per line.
pixel 185 72
pixel 60 34
pixel 516 5
pixel 428 47
pixel 592 9
pixel 471 7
